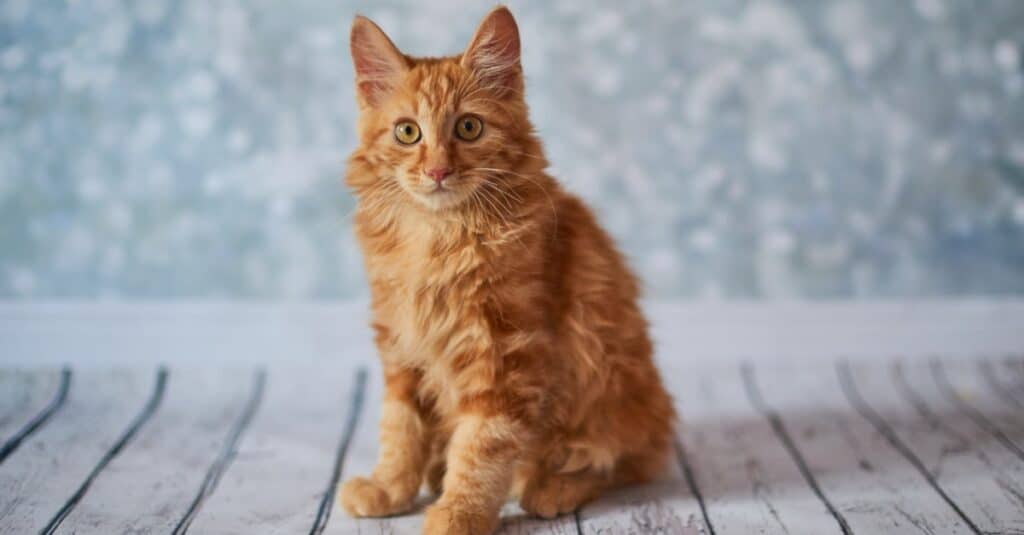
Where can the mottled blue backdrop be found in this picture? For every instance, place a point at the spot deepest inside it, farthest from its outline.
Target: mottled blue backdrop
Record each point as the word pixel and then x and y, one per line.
pixel 762 148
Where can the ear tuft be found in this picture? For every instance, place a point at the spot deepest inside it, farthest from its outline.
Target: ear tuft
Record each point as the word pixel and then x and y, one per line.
pixel 379 65
pixel 493 53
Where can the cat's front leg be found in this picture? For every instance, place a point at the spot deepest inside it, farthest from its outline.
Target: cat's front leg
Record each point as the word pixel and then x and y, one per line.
pixel 395 482
pixel 482 455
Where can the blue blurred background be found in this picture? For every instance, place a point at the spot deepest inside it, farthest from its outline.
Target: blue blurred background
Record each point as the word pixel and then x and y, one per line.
pixel 736 149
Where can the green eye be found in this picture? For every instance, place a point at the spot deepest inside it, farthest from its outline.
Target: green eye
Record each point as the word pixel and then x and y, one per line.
pixel 469 127
pixel 407 132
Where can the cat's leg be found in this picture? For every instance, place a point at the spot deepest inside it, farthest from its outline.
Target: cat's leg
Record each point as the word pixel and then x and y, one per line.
pixel 436 464
pixel 396 479
pixel 548 495
pixel 435 476
pixel 482 456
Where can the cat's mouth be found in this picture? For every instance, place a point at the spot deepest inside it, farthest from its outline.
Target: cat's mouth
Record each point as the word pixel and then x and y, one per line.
pixel 439 196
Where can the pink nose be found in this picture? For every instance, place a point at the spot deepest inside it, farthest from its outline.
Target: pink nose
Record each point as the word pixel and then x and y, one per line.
pixel 438 173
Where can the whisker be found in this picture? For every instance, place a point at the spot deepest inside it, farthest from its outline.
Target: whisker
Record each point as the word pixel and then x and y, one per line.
pixel 551 202
pixel 501 195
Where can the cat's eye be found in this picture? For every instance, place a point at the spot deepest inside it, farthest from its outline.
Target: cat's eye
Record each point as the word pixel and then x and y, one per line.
pixel 469 127
pixel 407 132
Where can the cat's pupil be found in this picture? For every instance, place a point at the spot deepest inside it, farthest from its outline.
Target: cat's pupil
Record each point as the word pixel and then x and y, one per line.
pixel 468 125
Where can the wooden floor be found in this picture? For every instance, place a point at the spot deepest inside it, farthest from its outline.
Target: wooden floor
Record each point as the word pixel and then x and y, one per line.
pixel 931 446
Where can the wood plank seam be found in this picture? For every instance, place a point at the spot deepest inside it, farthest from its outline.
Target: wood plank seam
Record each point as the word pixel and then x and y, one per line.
pixel 227 454
pixel 972 412
pixel 323 513
pixel 868 413
pixel 988 372
pixel 691 482
pixel 867 480
pixel 947 426
pixel 777 425
pixel 133 428
pixel 39 419
pixel 920 406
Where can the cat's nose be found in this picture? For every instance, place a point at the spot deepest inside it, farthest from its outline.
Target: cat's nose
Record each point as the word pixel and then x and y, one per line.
pixel 438 173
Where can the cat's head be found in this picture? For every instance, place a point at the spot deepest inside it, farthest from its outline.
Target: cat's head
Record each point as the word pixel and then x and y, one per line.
pixel 442 132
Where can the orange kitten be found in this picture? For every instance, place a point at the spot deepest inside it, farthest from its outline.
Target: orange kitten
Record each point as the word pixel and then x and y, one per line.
pixel 515 357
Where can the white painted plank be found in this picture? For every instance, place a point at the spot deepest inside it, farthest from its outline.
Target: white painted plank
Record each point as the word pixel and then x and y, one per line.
pixel 998 424
pixel 284 463
pixel 930 382
pixel 151 485
pixel 748 480
pixel 23 395
pixel 50 466
pixel 966 382
pixel 874 487
pixel 969 468
pixel 1006 377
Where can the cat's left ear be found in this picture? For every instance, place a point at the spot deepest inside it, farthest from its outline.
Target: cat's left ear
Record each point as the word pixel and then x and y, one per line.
pixel 493 53
pixel 378 63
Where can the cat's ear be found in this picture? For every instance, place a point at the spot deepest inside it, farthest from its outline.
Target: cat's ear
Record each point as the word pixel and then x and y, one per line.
pixel 493 53
pixel 378 63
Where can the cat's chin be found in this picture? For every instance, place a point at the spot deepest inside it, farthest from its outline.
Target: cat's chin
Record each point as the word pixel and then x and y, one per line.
pixel 439 199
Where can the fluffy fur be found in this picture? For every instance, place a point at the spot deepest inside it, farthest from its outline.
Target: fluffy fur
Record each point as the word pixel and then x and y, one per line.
pixel 515 356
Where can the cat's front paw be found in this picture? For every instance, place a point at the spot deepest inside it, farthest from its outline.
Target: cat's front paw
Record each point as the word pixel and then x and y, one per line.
pixel 361 496
pixel 447 519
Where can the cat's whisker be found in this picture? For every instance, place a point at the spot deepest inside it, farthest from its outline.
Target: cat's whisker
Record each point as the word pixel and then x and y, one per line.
pixel 481 197
pixel 513 173
pixel 503 208
pixel 501 199
pixel 511 229
pixel 495 181
pixel 377 198
pixel 504 194
pixel 551 202
pixel 490 202
pixel 499 196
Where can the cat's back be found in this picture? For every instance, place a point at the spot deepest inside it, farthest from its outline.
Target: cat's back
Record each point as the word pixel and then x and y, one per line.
pixel 589 264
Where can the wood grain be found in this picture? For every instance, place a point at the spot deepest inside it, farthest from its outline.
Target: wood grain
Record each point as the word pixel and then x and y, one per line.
pixel 39 478
pixel 982 475
pixel 27 400
pixel 942 442
pixel 1006 378
pixel 749 481
pixel 150 486
pixel 284 464
pixel 874 487
pixel 930 446
pixel 964 384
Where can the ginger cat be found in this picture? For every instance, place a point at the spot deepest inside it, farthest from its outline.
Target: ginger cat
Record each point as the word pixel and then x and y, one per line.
pixel 515 357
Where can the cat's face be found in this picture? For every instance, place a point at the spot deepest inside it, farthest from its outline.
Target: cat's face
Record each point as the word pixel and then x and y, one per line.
pixel 444 132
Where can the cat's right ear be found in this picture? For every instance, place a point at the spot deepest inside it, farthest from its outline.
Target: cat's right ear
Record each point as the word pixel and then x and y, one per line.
pixel 493 53
pixel 379 65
